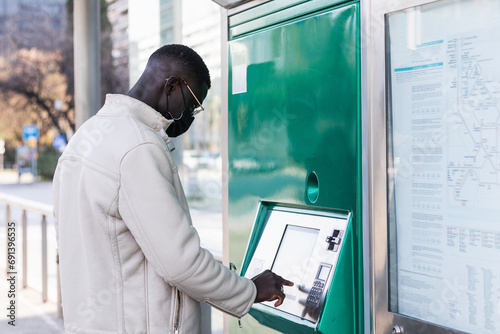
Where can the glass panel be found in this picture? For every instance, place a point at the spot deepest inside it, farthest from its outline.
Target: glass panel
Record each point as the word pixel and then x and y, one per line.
pixel 323 272
pixel 289 254
pixel 443 65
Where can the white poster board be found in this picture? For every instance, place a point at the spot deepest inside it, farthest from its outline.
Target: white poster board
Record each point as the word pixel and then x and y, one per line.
pixel 443 67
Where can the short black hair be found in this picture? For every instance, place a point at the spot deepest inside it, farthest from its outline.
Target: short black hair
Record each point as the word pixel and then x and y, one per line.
pixel 186 58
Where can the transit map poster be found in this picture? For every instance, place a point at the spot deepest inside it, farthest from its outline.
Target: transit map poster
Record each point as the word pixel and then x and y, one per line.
pixel 443 73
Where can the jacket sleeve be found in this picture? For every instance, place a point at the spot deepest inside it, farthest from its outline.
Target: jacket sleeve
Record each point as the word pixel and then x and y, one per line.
pixel 149 206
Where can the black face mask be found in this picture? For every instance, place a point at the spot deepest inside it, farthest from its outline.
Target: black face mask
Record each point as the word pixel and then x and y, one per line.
pixel 180 126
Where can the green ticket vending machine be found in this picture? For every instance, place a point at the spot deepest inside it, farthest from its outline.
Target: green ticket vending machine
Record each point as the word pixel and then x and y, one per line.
pixel 294 151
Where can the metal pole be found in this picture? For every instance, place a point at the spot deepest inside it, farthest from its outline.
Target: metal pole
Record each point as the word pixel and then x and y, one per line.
pixel 44 259
pixel 86 14
pixel 7 220
pixel 224 143
pixel 34 160
pixel 25 249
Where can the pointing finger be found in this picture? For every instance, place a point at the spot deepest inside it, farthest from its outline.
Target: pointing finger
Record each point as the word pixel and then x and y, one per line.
pixel 284 281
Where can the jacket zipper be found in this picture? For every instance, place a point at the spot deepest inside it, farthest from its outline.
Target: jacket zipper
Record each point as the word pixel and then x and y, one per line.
pixel 177 311
pixel 234 315
pixel 147 293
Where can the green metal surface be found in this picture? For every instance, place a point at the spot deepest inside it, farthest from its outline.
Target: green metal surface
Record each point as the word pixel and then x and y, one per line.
pixel 274 12
pixel 340 307
pixel 262 10
pixel 299 113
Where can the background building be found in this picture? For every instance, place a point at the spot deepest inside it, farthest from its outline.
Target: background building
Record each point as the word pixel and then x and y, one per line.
pixel 201 31
pixel 196 23
pixel 118 17
pixel 151 24
pixel 22 22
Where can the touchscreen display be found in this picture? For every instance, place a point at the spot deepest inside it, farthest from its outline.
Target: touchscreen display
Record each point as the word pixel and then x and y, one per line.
pixel 295 252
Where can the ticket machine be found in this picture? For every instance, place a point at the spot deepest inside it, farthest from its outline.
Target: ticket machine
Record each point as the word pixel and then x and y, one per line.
pixel 313 249
pixel 293 132
pixel 365 135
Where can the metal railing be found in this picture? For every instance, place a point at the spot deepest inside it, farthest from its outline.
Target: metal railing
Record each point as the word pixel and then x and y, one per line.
pixel 46 211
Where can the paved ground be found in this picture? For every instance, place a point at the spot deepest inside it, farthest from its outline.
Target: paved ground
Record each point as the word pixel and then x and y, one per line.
pixel 33 316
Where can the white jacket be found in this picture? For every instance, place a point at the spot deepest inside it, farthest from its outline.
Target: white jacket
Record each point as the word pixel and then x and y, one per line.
pixel 130 259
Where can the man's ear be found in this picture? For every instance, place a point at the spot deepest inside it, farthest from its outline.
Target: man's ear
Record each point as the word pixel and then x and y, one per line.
pixel 170 84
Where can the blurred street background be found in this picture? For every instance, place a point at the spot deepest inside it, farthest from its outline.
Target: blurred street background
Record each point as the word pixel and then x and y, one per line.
pixel 37 119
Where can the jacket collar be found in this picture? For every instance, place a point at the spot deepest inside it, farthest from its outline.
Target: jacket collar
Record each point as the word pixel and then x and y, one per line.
pixel 140 110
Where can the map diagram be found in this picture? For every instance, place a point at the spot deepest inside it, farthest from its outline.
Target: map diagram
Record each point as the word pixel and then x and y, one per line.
pixel 474 133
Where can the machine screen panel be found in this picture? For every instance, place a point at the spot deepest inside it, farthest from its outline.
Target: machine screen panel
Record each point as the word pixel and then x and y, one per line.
pixel 295 250
pixel 444 163
pixel 302 246
pixel 323 272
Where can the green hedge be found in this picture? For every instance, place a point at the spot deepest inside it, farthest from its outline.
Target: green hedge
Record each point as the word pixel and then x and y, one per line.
pixel 47 161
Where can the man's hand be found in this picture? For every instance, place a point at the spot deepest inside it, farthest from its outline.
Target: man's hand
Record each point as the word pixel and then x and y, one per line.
pixel 270 287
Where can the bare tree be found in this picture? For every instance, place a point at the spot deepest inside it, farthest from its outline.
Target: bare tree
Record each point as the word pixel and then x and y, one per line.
pixel 38 70
pixel 31 81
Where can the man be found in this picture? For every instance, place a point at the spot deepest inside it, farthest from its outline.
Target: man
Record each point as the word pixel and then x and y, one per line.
pixel 130 260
